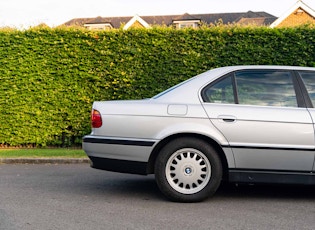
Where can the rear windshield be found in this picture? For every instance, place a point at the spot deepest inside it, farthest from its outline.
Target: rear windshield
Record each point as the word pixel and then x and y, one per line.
pixel 171 89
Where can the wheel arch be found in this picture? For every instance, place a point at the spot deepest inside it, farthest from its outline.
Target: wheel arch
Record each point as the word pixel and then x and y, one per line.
pixel 207 139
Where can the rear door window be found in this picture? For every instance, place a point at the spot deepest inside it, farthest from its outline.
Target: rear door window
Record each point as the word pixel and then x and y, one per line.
pixel 266 88
pixel 254 87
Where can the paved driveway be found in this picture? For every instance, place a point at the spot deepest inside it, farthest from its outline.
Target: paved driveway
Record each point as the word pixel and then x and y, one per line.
pixel 78 197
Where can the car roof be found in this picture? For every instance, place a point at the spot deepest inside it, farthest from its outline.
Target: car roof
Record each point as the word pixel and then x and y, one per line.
pixel 189 90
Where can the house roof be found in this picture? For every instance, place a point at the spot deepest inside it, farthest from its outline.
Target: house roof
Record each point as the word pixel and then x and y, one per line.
pixel 114 21
pixel 226 18
pixel 136 18
pixel 296 6
pixel 249 21
pixel 185 17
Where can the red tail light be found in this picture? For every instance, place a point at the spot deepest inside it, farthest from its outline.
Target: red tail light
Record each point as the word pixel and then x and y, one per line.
pixel 96 119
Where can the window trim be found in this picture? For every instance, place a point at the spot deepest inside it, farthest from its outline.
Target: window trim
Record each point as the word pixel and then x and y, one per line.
pixel 235 91
pixel 304 93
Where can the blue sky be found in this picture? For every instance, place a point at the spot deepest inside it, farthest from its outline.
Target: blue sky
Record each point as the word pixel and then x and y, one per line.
pixel 25 13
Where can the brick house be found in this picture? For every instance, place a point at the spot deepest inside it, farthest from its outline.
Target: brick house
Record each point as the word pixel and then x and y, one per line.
pixel 299 14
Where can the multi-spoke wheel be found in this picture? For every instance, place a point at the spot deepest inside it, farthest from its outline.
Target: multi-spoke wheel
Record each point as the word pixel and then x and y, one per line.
pixel 188 170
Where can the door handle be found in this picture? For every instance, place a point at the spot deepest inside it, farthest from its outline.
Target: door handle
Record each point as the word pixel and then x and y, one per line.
pixel 227 118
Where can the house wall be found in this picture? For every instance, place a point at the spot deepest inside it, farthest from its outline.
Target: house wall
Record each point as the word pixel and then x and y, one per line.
pixel 297 18
pixel 136 24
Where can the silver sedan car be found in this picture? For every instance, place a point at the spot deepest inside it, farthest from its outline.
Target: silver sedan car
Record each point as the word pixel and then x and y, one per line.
pixel 242 124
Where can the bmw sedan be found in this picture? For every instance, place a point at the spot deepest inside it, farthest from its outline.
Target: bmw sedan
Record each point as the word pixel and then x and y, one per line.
pixel 241 124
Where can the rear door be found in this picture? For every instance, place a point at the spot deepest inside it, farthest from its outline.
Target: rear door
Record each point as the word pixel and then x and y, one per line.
pixel 262 115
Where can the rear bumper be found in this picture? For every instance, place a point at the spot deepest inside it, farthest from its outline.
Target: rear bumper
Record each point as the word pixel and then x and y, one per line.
pixel 118 154
pixel 122 166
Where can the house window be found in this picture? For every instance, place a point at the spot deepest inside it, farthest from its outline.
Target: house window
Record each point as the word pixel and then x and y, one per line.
pixel 188 25
pixel 105 26
pixel 180 24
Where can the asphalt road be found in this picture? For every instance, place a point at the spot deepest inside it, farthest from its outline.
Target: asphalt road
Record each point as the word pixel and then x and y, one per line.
pixel 77 197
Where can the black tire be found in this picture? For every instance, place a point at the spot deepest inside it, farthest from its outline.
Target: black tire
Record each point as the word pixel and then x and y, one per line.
pixel 188 170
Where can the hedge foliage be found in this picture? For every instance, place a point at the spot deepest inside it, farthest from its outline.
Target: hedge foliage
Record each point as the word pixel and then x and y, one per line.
pixel 50 77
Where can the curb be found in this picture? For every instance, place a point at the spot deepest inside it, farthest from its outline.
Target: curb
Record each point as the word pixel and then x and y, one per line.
pixel 44 160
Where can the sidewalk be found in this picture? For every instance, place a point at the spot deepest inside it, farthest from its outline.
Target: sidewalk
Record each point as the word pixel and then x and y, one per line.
pixel 44 160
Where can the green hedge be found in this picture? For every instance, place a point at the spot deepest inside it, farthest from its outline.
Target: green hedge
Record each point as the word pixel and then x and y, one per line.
pixel 50 77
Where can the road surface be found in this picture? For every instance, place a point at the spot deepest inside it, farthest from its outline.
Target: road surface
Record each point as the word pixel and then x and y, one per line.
pixel 75 196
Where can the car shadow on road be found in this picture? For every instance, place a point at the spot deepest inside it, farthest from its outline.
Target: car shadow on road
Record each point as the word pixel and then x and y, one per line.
pixel 145 188
pixel 269 191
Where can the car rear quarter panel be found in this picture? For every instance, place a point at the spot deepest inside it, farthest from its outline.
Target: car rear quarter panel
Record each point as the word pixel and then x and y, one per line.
pixel 153 121
pixel 145 120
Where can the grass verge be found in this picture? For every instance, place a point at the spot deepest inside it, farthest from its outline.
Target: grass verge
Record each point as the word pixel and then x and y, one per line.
pixel 42 153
